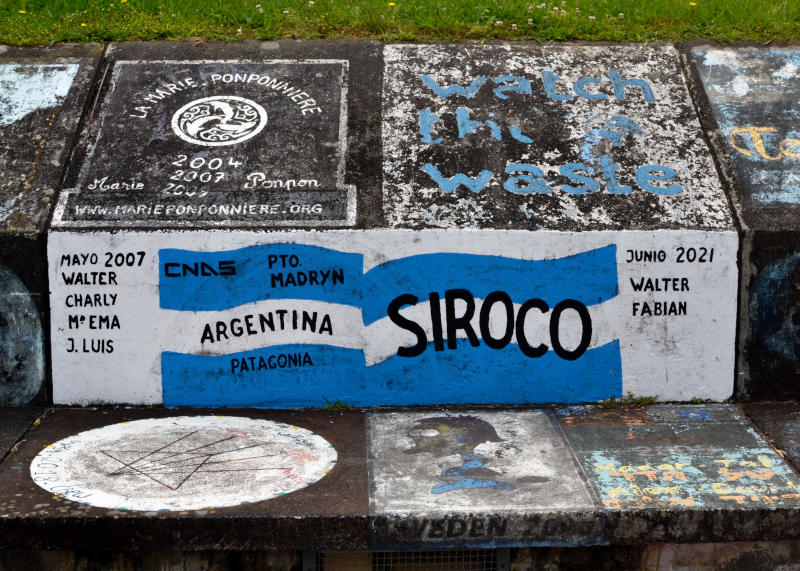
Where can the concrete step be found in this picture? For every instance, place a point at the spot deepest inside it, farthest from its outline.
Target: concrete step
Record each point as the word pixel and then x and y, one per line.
pixel 751 94
pixel 286 224
pixel 523 219
pixel 577 476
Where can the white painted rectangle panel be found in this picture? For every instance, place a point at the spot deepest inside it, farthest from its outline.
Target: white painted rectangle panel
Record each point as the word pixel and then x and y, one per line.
pixel 292 319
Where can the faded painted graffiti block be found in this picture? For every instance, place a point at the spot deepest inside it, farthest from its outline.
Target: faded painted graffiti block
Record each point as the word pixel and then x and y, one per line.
pixel 42 95
pixel 390 317
pixel 22 366
pixel 664 457
pixel 753 97
pixel 770 326
pixel 426 468
pixel 555 137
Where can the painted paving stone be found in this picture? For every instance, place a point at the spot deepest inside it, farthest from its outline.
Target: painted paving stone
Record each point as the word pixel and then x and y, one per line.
pixel 460 477
pixel 389 317
pixel 42 94
pixel 216 143
pixel 667 457
pixel 183 463
pixel 554 137
pixel 753 95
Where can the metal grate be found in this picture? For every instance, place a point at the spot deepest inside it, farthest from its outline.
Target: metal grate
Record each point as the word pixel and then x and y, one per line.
pixel 450 560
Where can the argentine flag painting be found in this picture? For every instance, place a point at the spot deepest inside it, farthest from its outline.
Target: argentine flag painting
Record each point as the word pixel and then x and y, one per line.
pixel 400 318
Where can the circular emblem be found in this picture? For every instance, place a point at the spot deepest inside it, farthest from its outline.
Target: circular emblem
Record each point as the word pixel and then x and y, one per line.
pixel 183 463
pixel 218 121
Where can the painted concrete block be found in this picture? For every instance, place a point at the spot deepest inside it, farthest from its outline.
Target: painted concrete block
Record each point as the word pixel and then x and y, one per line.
pixel 608 289
pixel 43 93
pixel 752 94
pixel 389 317
pixel 475 478
pixel 675 458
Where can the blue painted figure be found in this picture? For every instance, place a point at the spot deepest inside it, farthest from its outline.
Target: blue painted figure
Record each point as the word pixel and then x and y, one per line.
pixel 448 435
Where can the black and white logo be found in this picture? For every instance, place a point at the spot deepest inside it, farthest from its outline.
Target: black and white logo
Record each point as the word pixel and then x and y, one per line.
pixel 219 120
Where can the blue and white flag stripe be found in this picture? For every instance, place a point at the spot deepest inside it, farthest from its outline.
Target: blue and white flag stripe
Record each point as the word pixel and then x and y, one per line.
pixel 589 277
pixel 467 375
pixel 230 357
pixel 268 271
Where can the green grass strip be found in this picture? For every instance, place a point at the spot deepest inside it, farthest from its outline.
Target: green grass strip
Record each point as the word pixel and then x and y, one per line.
pixel 36 22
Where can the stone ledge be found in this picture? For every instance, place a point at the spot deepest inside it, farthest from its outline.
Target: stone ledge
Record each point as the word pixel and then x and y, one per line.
pixel 552 476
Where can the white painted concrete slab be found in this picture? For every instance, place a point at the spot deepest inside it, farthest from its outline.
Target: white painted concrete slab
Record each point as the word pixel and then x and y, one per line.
pixel 224 318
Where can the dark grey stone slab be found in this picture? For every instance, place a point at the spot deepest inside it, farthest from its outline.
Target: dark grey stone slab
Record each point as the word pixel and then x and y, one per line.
pixel 14 421
pixel 750 95
pixel 256 136
pixel 781 423
pixel 43 93
pixel 561 137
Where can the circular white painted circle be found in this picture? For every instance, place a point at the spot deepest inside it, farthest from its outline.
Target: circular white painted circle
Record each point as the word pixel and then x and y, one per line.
pixel 183 463
pixel 219 120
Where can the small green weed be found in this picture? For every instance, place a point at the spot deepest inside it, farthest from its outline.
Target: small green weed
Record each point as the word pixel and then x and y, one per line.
pixel 696 400
pixel 629 399
pixel 335 405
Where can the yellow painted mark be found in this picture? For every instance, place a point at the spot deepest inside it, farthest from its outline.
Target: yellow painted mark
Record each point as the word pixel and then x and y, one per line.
pixel 788 148
pixel 675 502
pixel 737 499
pixel 602 467
pixel 721 488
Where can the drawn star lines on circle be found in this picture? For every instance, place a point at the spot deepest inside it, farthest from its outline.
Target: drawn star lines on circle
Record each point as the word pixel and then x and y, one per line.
pixel 183 463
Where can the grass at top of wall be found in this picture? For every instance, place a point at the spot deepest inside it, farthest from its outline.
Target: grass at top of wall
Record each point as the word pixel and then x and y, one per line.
pixel 31 22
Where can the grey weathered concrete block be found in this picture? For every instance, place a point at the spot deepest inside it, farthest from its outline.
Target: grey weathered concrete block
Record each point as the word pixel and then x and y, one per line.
pixel 751 93
pixel 43 93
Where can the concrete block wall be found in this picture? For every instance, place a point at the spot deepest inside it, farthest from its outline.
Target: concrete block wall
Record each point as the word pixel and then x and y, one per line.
pixel 44 95
pixel 286 224
pixel 749 96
